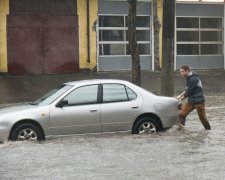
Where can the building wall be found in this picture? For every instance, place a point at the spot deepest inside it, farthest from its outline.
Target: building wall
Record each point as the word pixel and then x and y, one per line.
pixel 83 41
pixel 182 10
pixel 83 47
pixel 4 10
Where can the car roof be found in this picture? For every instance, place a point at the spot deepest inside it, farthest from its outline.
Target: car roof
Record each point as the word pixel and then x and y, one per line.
pixel 92 81
pixel 116 81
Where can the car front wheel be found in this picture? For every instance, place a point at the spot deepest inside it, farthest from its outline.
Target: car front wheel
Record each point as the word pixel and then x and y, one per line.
pixel 145 125
pixel 27 131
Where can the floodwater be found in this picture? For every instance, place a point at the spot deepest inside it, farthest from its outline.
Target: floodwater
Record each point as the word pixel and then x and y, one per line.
pixel 190 153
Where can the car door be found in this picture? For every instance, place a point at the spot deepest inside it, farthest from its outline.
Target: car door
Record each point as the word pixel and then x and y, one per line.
pixel 80 114
pixel 120 107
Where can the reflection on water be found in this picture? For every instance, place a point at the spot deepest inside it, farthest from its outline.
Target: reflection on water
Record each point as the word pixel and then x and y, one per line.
pixel 189 153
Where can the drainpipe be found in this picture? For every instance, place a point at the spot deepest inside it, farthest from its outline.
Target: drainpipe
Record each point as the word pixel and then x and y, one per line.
pixel 88 31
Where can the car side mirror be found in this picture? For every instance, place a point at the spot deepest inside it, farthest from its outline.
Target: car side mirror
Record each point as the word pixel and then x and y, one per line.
pixel 62 103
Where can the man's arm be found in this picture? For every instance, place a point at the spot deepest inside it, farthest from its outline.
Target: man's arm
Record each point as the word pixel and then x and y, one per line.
pixel 181 96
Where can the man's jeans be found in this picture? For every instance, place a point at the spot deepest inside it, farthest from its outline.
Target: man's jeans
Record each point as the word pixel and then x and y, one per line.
pixel 200 108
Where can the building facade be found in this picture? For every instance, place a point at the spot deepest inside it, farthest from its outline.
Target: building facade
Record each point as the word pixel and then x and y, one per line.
pixel 66 36
pixel 200 35
pixel 112 35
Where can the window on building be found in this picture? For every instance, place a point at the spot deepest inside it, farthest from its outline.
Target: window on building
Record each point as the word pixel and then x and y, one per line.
pixel 113 35
pixel 199 36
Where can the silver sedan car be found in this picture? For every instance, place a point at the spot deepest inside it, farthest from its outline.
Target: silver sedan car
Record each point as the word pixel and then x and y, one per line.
pixel 89 106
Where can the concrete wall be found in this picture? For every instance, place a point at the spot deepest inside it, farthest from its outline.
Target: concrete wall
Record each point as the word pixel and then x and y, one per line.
pixel 4 10
pixel 82 21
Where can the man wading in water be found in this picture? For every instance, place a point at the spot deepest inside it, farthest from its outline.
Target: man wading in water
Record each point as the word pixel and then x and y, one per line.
pixel 196 99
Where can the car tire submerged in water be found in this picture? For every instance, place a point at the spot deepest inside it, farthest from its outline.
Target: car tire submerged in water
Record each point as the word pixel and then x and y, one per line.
pixel 27 131
pixel 145 125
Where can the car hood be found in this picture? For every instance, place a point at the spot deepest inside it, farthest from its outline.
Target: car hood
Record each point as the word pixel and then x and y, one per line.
pixel 15 108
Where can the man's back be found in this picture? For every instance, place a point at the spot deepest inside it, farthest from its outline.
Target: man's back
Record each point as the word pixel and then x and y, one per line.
pixel 194 90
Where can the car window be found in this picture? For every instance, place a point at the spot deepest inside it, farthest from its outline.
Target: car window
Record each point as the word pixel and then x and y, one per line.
pixel 83 95
pixel 131 94
pixel 114 93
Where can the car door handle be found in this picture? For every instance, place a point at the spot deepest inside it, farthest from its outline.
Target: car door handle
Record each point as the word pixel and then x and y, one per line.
pixel 135 107
pixel 93 110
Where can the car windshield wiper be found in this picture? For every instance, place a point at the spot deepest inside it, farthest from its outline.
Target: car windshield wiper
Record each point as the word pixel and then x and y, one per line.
pixel 38 101
pixel 33 103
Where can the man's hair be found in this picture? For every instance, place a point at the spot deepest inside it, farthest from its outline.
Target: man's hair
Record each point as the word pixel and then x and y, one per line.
pixel 185 67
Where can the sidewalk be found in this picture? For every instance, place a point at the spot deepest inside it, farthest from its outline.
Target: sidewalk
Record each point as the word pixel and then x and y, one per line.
pixel 28 88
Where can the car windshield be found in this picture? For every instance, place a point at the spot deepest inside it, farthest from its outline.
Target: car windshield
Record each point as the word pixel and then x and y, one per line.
pixel 52 95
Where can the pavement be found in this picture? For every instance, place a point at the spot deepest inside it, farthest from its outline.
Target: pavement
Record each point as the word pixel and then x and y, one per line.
pixel 27 88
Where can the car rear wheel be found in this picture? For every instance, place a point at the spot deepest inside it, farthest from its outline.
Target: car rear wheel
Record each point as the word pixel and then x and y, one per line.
pixel 27 131
pixel 145 125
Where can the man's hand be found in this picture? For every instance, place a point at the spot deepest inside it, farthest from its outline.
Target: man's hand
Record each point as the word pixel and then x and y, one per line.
pixel 178 97
pixel 181 96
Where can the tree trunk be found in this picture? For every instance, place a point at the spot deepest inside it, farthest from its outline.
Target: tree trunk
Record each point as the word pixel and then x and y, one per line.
pixel 136 74
pixel 167 82
pixel 157 27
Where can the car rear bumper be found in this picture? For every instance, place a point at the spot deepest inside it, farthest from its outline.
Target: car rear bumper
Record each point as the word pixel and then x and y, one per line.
pixel 168 122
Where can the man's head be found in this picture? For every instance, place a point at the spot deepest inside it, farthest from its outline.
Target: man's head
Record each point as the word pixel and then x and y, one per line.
pixel 184 70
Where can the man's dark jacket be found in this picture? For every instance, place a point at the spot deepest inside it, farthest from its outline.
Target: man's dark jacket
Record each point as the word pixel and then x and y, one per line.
pixel 194 90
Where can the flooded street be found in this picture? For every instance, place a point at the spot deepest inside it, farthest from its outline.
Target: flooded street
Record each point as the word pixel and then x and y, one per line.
pixel 189 153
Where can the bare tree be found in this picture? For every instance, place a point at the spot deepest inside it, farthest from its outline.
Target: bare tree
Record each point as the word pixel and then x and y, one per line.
pixel 167 82
pixel 136 74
